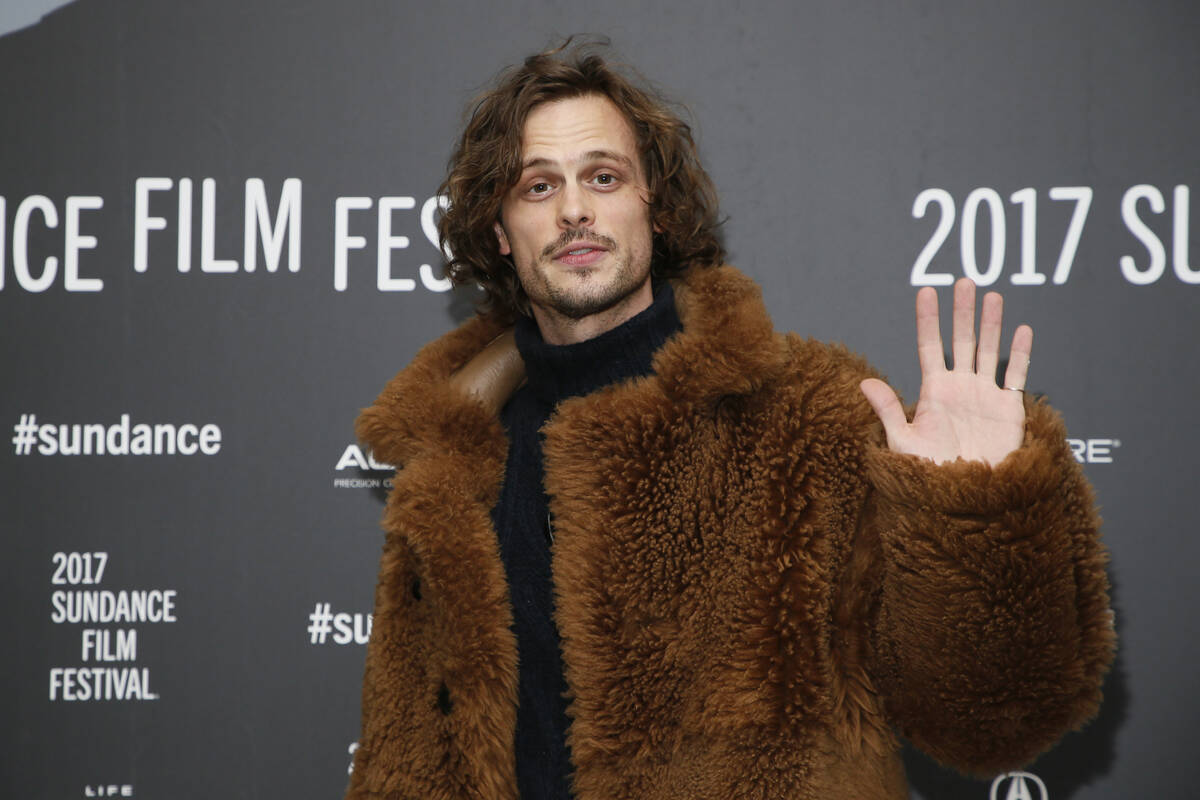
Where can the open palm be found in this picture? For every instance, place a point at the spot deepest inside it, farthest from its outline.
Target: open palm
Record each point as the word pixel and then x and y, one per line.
pixel 961 412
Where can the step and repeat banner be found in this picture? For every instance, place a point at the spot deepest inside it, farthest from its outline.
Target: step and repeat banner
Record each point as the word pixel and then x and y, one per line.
pixel 217 242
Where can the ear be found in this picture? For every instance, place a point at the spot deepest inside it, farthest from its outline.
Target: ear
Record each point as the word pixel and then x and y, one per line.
pixel 502 238
pixel 654 226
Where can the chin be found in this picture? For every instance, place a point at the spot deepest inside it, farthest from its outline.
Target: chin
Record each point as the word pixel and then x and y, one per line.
pixel 579 307
pixel 580 302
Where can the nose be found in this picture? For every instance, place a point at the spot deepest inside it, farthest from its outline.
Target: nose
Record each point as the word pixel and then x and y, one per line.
pixel 575 207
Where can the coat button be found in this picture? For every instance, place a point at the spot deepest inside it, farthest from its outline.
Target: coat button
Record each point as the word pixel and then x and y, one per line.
pixel 444 703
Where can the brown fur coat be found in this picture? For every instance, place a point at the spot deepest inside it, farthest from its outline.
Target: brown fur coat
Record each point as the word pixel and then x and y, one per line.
pixel 753 592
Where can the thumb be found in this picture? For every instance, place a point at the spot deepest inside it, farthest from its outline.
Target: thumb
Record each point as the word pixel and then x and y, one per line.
pixel 886 405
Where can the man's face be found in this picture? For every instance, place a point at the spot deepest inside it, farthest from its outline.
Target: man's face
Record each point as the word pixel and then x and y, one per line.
pixel 577 222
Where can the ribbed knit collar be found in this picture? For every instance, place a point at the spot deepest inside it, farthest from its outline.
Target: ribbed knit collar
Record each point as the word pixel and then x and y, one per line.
pixel 556 372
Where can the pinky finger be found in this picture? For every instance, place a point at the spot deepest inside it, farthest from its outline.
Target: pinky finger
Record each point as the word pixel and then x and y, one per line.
pixel 1018 358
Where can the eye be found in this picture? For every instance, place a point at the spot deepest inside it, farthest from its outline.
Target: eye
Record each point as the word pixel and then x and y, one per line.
pixel 605 179
pixel 541 187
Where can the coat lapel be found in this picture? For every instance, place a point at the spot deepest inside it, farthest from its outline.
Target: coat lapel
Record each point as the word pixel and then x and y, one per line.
pixel 636 486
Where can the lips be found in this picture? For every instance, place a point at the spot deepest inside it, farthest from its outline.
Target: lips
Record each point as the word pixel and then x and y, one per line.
pixel 581 254
pixel 579 250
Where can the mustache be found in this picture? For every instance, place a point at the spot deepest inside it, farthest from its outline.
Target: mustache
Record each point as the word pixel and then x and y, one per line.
pixel 577 235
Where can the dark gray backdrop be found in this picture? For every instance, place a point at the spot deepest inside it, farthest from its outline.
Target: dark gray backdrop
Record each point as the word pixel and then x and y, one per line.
pixel 822 124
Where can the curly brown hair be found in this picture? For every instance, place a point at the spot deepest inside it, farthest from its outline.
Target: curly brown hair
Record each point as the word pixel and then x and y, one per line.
pixel 487 162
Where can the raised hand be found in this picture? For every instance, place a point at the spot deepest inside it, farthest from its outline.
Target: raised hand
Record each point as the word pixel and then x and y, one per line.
pixel 961 412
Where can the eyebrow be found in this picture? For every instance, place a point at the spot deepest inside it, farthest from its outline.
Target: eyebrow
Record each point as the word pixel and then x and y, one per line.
pixel 591 155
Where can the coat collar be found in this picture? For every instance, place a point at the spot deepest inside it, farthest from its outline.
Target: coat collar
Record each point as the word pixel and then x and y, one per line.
pixel 727 347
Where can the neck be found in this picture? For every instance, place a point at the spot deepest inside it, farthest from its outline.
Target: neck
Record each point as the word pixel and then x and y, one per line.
pixel 557 328
pixel 556 372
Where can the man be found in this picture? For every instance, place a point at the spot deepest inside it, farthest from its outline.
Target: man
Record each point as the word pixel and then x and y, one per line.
pixel 690 557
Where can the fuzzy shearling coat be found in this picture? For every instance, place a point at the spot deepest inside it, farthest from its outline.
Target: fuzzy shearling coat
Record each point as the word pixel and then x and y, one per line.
pixel 753 592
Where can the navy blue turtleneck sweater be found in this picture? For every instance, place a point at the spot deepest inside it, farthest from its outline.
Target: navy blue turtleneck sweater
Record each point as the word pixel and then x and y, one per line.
pixel 522 519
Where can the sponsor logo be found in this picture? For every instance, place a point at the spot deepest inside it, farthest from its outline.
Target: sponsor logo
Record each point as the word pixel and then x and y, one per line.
pixel 1093 451
pixel 108 790
pixel 1019 786
pixel 364 464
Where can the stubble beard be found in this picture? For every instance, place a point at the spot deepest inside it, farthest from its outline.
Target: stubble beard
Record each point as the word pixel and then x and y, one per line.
pixel 576 302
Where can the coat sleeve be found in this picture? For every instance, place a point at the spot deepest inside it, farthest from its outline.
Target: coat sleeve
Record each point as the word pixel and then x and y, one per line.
pixel 992 632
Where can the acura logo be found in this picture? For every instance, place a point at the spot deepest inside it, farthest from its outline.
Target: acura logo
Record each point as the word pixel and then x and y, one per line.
pixel 1021 786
